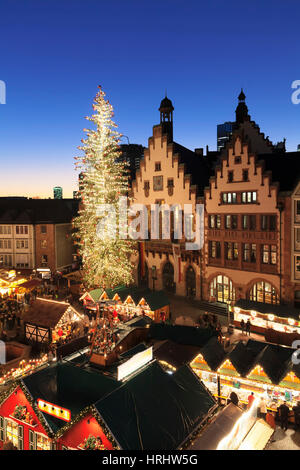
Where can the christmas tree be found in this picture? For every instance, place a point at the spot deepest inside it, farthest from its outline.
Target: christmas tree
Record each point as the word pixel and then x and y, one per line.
pixel 104 250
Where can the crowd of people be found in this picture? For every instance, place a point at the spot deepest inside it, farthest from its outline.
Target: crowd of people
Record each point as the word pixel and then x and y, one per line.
pixel 211 321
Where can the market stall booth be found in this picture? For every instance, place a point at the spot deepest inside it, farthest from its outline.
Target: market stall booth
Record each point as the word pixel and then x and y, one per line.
pixel 74 280
pixel 63 406
pixel 264 369
pixel 10 280
pixel 130 302
pixel 279 323
pixel 234 429
pixel 48 321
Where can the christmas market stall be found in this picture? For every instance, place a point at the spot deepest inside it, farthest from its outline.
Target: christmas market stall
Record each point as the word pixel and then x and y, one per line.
pixel 130 302
pixel 10 281
pixel 279 323
pixel 265 369
pixel 49 321
pixel 63 406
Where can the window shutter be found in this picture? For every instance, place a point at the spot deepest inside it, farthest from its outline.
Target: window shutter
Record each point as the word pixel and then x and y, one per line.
pixel 20 437
pixel 1 428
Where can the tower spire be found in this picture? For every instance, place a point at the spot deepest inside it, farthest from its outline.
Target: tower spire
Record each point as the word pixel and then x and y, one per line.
pixel 166 116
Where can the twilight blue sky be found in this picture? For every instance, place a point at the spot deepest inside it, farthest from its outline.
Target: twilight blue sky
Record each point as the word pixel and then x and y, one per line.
pixel 54 53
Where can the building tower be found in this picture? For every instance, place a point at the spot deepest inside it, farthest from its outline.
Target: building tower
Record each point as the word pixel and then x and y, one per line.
pixel 241 111
pixel 166 117
pixel 57 192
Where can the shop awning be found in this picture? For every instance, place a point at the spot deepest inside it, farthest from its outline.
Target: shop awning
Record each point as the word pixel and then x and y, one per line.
pixel 29 285
pixel 283 311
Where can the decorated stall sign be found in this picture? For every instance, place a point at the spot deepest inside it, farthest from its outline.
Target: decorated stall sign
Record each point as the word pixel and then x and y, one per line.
pixel 133 364
pixel 54 410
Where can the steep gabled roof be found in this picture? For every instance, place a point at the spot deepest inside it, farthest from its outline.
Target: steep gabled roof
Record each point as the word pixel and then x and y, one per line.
pixel 155 410
pixel 213 353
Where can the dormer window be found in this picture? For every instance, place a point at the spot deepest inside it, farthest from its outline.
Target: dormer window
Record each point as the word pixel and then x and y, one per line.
pixel 230 176
pixel 157 166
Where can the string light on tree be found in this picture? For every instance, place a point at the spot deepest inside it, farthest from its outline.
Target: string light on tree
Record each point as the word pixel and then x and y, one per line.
pixel 105 258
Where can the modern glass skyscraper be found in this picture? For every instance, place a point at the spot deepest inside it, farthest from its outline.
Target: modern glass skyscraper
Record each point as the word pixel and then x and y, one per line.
pixel 57 192
pixel 224 132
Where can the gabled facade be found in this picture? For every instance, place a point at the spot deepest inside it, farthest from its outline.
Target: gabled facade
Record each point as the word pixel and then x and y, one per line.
pixel 169 174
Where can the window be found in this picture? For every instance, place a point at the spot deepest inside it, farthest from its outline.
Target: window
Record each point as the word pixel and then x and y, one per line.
pixel 272 223
pixel 5 230
pixel 14 433
pixel 237 160
pixel 249 197
pixel 264 292
pixel 269 254
pixel 21 229
pixel 43 243
pixel 268 222
pixel 229 198
pixel 5 244
pixel 297 208
pixel 231 251
pixel 170 183
pixel 249 253
pixel 44 259
pixel 231 221
pixel 214 221
pixel 42 442
pixel 157 166
pixel 146 184
pixel 6 260
pixel 21 244
pixel 230 176
pixel 221 289
pixel 245 175
pixel 215 249
pixel 1 428
pixel 43 228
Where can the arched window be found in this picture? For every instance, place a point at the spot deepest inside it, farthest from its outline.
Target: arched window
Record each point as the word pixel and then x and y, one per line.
pixel 264 292
pixel 190 281
pixel 168 278
pixel 221 289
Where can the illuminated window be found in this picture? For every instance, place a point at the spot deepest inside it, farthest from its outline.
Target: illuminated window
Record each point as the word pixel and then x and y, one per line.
pixel 42 442
pixel 264 292
pixel 221 289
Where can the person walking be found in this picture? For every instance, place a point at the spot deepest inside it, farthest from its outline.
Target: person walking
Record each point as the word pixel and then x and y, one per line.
pixel 250 399
pixel 248 327
pixel 263 407
pixel 243 326
pixel 296 411
pixel 234 398
pixel 283 411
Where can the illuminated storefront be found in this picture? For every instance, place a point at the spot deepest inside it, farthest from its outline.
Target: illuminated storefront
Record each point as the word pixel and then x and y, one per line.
pixel 283 319
pixel 226 378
